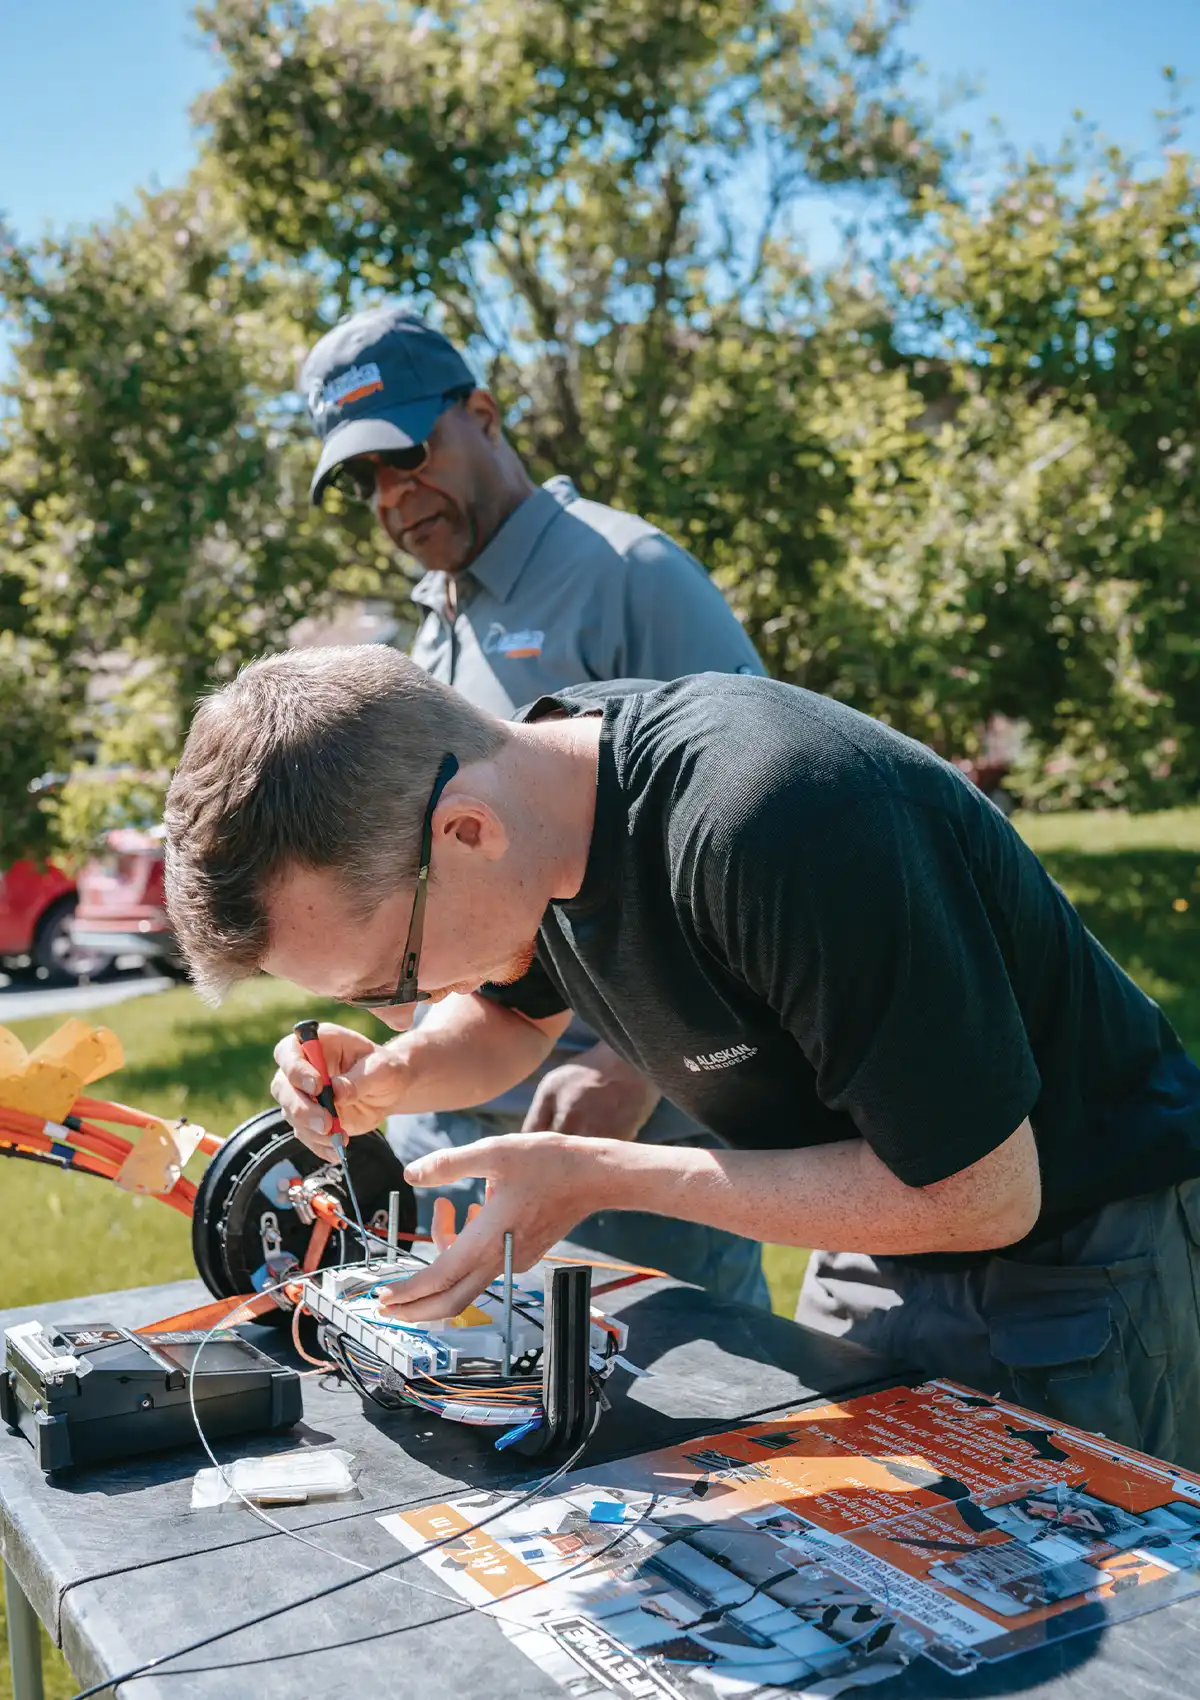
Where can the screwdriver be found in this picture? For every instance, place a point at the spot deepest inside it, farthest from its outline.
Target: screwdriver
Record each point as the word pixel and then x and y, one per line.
pixel 313 1052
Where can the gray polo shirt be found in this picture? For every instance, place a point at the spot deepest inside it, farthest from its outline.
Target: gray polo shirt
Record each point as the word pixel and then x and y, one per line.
pixel 570 591
pixel 566 592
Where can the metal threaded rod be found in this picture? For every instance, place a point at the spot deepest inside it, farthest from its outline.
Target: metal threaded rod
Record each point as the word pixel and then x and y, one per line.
pixel 508 1302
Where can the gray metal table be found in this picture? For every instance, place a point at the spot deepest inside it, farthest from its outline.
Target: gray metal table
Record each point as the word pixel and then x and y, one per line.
pixel 120 1570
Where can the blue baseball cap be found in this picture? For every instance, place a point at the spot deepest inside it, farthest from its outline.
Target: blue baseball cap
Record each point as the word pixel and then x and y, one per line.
pixel 378 381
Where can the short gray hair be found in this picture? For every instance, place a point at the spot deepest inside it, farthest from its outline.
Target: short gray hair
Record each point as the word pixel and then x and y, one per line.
pixel 319 758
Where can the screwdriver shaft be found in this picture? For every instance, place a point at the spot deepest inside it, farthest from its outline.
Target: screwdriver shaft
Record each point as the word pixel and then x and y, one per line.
pixel 308 1035
pixel 339 1145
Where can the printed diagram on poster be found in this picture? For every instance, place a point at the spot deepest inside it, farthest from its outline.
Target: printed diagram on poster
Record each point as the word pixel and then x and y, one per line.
pixel 823 1549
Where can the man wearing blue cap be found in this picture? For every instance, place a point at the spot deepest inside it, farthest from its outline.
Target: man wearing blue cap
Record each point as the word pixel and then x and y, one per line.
pixel 526 591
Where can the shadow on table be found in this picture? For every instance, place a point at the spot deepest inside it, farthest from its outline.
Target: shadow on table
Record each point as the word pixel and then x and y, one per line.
pixel 119 1477
pixel 1035 1669
pixel 715 1360
pixel 921 1682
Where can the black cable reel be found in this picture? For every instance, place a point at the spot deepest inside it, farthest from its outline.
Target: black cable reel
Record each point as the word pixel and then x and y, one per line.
pixel 246 1230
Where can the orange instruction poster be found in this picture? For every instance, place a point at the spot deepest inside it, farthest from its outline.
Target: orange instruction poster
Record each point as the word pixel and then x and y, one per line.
pixel 823 1549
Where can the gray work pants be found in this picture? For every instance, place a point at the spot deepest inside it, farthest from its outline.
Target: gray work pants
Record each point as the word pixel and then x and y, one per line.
pixel 1098 1327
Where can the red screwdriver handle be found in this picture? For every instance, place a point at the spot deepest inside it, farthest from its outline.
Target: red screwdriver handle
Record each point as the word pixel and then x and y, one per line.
pixel 313 1052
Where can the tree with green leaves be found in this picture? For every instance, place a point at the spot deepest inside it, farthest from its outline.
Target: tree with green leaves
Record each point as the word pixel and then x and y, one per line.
pixel 1072 302
pixel 587 190
pixel 35 718
pixel 154 521
pixel 943 495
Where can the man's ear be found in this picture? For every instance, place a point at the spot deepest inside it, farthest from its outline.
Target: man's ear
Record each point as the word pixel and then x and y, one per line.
pixel 465 825
pixel 484 410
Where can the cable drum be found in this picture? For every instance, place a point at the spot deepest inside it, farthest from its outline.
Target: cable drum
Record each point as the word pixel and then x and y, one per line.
pixel 245 1229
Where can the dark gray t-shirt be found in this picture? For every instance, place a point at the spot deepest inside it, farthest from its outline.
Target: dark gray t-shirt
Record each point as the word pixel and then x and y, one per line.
pixel 803 927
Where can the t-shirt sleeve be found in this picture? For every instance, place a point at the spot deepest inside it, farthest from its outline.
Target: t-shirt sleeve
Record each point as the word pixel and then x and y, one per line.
pixel 676 621
pixel 536 994
pixel 870 939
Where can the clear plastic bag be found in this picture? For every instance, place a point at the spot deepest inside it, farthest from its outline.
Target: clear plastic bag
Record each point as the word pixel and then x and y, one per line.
pixel 290 1478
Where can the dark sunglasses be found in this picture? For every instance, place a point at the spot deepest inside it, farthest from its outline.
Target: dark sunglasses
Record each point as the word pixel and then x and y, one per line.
pixel 356 478
pixel 406 987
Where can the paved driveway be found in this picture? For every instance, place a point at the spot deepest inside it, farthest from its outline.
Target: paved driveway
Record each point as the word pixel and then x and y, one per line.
pixel 19 998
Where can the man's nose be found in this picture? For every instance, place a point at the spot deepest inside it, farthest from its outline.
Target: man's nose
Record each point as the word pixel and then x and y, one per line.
pixel 390 486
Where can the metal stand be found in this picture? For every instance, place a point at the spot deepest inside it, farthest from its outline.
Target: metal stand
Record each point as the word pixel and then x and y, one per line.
pixel 24 1641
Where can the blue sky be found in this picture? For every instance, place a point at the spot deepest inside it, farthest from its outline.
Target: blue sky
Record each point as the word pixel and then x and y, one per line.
pixel 94 94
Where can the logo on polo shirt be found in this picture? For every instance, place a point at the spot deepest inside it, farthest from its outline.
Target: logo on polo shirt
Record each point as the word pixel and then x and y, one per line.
pixel 728 1058
pixel 514 646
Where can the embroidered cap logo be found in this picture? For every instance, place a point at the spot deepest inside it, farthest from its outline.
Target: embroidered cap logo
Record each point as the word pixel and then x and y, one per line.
pixel 346 388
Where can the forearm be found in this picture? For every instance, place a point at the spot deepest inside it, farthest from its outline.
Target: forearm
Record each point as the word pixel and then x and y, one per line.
pixel 539 1185
pixel 467 1051
pixel 596 1094
pixel 840 1197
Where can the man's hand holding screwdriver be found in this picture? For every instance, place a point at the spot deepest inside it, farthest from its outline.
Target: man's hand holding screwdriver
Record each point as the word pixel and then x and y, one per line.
pixel 368 1084
pixel 466 1051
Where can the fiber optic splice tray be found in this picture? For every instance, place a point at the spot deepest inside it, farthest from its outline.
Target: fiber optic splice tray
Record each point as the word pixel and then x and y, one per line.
pixel 89 1392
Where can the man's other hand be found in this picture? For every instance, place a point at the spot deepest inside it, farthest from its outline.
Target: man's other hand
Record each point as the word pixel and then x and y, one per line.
pixel 598 1095
pixel 367 1085
pixel 539 1185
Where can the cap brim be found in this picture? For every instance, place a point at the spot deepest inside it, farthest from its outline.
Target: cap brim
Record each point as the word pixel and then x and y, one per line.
pixel 398 428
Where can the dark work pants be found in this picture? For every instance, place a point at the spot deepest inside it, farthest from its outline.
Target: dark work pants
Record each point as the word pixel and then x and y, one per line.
pixel 1098 1327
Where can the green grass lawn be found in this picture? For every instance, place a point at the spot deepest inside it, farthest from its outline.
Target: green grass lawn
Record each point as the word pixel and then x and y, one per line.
pixel 1135 880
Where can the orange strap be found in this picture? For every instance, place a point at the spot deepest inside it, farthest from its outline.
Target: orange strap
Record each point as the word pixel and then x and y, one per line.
pixel 315 1249
pixel 621 1268
pixel 208 1316
pixel 612 1286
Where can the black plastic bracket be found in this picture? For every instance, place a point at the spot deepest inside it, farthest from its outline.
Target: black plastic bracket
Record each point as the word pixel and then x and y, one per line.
pixel 568 1392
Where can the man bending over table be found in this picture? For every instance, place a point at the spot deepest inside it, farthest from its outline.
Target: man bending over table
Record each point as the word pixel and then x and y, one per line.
pixel 811 933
